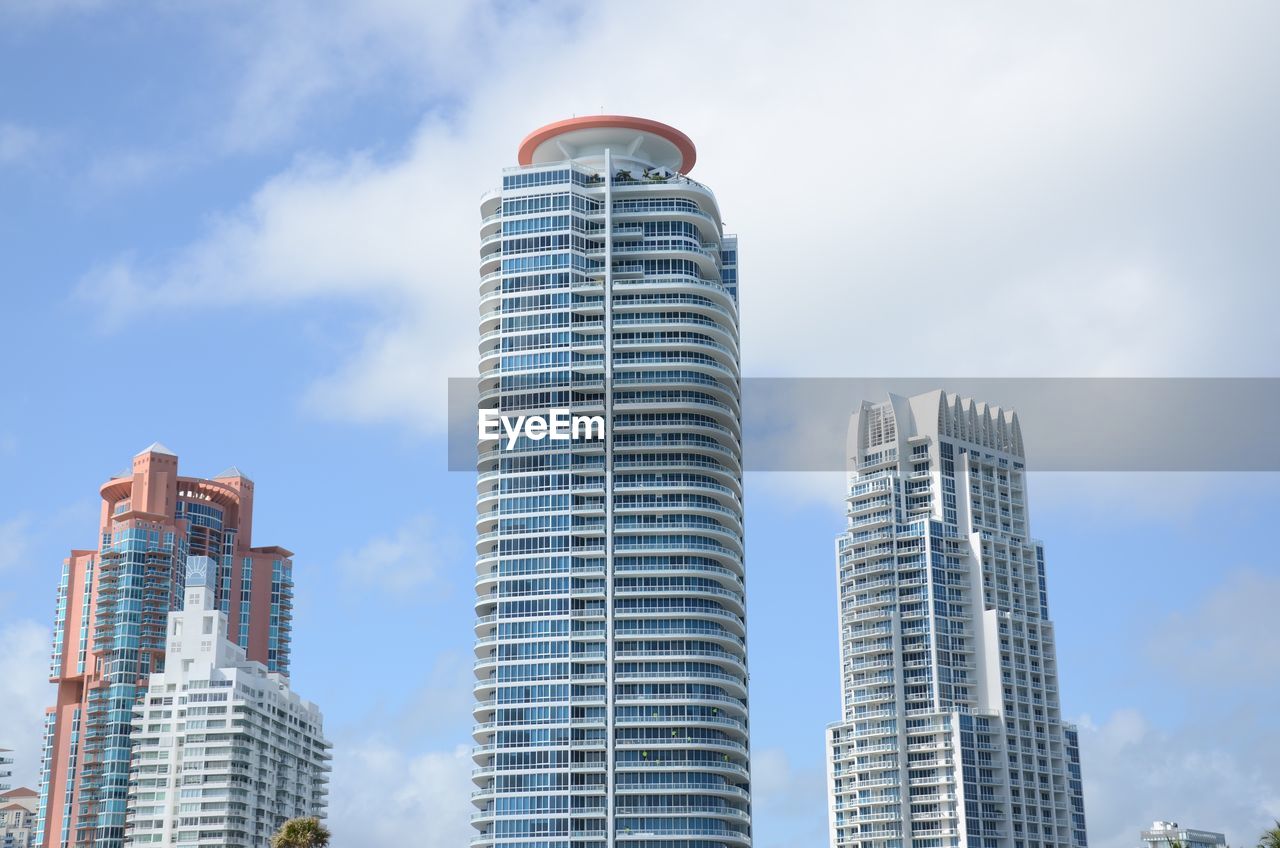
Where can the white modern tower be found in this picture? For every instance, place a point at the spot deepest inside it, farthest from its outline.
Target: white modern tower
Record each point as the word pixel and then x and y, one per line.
pixel 224 752
pixel 951 732
pixel 611 694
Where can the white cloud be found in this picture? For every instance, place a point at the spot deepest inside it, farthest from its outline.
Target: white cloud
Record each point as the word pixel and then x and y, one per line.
pixel 22 546
pixel 1056 168
pixel 1162 496
pixel 17 143
pixel 24 695
pixel 1135 774
pixel 1216 666
pixel 382 797
pixel 1228 643
pixel 301 58
pixel 409 558
pixel 354 231
pixel 392 764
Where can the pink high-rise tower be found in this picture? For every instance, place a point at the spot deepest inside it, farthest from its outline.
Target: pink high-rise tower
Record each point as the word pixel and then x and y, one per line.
pixel 109 627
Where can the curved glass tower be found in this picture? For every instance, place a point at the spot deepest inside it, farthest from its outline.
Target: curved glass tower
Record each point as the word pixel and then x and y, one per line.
pixel 611 694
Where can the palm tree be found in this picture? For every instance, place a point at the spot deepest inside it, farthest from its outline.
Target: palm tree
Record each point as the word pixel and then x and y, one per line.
pixel 1271 838
pixel 301 833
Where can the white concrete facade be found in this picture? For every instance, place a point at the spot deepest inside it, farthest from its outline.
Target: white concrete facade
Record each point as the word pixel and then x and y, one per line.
pixel 1164 834
pixel 223 751
pixel 18 817
pixel 951 733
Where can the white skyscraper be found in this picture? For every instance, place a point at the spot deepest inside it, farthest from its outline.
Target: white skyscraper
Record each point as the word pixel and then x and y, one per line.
pixel 611 693
pixel 223 751
pixel 951 732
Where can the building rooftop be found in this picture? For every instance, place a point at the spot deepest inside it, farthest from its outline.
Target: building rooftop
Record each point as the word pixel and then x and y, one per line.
pixel 1166 831
pixel 155 447
pixel 637 138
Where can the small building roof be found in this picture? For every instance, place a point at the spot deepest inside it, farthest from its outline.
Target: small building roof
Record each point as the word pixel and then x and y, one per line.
pixel 155 447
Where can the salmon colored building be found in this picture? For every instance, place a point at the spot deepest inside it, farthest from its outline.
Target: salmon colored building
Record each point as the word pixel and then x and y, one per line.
pixel 109 627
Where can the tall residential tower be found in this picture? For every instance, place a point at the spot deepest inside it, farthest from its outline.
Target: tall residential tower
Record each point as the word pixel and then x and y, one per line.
pixel 224 751
pixel 611 694
pixel 109 628
pixel 951 734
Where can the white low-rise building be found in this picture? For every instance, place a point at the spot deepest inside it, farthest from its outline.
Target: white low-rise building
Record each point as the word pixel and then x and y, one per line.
pixel 223 751
pixel 1165 834
pixel 18 818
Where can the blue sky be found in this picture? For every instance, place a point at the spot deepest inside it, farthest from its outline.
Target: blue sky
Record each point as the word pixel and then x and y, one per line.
pixel 250 233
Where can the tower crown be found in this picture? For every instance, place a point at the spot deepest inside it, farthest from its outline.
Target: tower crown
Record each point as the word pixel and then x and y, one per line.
pixel 635 138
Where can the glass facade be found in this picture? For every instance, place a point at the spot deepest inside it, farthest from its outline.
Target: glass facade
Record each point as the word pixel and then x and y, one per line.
pixel 137 585
pixel 611 694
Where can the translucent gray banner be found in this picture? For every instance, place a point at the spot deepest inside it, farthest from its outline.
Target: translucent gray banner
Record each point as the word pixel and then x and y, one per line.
pixel 1068 424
